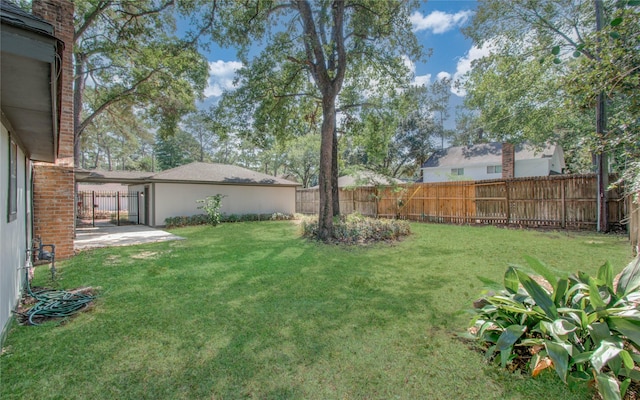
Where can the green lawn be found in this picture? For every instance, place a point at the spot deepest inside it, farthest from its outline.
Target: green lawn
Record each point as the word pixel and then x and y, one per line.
pixel 251 310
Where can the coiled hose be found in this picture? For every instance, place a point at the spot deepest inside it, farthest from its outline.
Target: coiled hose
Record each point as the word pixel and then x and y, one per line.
pixel 53 303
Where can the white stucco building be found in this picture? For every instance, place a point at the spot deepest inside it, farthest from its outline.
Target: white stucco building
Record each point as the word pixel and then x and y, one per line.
pixel 487 161
pixel 174 192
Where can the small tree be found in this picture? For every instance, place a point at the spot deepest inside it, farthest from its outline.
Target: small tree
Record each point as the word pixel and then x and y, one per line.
pixel 211 205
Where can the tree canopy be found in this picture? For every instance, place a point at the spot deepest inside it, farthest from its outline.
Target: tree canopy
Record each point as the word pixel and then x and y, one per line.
pixel 127 52
pixel 311 53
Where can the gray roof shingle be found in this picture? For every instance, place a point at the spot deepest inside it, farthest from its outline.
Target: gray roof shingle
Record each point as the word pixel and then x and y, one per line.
pixel 218 173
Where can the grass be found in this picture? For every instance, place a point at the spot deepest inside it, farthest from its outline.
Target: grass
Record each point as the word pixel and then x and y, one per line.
pixel 251 310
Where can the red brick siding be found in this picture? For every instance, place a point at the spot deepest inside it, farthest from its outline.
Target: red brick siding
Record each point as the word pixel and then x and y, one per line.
pixel 508 160
pixel 54 184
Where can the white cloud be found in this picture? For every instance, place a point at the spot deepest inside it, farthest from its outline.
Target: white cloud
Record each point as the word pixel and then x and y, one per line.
pixel 465 64
pixel 438 21
pixel 422 80
pixel 221 74
pixel 418 80
pixel 443 75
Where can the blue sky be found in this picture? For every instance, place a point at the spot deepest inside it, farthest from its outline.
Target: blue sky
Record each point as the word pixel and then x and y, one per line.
pixel 436 24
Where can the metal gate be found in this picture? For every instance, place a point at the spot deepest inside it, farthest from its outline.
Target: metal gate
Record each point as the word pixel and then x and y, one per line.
pixel 117 208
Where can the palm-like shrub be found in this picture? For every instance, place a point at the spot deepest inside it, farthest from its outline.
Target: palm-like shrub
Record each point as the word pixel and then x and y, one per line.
pixel 582 326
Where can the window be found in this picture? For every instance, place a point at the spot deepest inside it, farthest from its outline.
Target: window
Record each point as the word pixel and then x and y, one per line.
pixel 12 203
pixel 494 169
pixel 457 171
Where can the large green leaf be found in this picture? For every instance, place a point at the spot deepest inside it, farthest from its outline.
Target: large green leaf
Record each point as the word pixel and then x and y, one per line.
pixel 511 282
pixel 605 274
pixel 629 278
pixel 594 295
pixel 608 387
pixel 539 295
pixel 599 332
pixel 541 269
pixel 627 327
pixel 603 354
pixel 509 337
pixel 560 358
pixel 561 329
pixel 561 287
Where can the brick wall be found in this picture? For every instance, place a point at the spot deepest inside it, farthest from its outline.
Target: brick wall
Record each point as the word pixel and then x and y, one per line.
pixel 508 160
pixel 53 213
pixel 54 184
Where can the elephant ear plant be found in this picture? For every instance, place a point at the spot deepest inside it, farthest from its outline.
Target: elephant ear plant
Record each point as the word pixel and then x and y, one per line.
pixel 581 326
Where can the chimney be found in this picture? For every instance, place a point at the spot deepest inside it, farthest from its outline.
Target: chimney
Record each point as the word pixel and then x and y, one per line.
pixel 508 160
pixel 54 184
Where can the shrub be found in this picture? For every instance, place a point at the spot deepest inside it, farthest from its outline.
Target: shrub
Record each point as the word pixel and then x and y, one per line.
pixel 355 228
pixel 581 326
pixel 211 205
pixel 202 219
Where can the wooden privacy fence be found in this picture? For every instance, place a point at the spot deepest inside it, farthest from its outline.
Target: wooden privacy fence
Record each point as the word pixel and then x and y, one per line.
pixel 564 201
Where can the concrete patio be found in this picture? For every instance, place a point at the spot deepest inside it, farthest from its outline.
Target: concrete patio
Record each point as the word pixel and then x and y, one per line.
pixel 111 235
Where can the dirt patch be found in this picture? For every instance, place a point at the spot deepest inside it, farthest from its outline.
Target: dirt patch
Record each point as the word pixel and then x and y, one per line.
pixel 145 255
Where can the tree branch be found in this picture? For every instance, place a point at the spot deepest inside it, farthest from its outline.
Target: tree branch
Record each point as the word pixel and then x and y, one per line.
pixel 90 18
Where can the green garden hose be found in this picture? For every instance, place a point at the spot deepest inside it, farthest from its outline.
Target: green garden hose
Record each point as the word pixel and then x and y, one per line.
pixel 53 303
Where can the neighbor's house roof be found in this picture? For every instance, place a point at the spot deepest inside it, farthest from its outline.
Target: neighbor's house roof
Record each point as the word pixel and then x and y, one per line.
pixel 484 154
pixel 102 187
pixel 29 77
pixel 200 172
pixel 124 177
pixel 364 179
pixel 196 172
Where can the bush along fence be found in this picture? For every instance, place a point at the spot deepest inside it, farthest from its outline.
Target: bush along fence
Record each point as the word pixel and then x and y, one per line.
pixel 563 201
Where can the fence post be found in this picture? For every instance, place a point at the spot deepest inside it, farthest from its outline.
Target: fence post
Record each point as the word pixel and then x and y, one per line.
pixel 118 207
pixel 508 208
pixel 564 205
pixel 93 208
pixel 138 205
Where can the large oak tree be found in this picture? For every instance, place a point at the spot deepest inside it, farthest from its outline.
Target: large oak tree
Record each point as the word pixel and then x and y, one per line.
pixel 300 51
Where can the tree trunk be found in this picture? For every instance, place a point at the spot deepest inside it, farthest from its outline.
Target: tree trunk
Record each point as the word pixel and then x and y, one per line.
pixel 335 173
pixel 78 90
pixel 325 217
pixel 602 167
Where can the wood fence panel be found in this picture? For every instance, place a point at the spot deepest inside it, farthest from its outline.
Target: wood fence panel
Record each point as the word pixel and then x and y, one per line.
pixel 563 201
pixel 633 221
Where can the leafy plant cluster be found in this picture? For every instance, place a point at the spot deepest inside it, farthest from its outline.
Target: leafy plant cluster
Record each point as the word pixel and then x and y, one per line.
pixel 211 205
pixel 584 327
pixel 355 228
pixel 203 219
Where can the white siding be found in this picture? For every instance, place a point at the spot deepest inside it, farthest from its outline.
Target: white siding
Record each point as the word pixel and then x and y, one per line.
pixel 473 172
pixel 13 235
pixel 534 167
pixel 179 199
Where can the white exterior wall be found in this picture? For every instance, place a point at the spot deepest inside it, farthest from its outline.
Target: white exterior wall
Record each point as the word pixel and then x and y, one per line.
pixel 140 216
pixel 179 199
pixel 473 172
pixel 13 235
pixel 535 167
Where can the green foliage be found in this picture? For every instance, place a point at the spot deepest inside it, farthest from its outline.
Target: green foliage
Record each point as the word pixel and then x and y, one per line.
pixel 580 325
pixel 203 219
pixel 179 222
pixel 211 205
pixel 547 66
pixel 354 228
pixel 127 53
